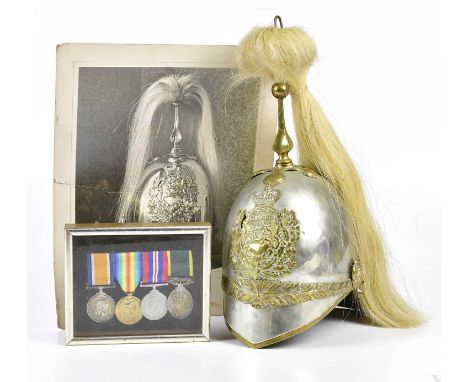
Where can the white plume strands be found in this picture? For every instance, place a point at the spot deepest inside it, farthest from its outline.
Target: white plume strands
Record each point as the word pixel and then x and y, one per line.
pixel 286 55
pixel 183 89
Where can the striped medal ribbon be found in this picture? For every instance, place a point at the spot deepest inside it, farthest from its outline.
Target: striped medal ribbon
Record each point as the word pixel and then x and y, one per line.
pixel 100 274
pixel 155 267
pixel 128 272
pixel 100 269
pixel 180 263
pixel 180 272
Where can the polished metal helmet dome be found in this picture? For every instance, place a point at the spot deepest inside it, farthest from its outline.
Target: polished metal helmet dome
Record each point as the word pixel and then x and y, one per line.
pixel 286 256
pixel 172 188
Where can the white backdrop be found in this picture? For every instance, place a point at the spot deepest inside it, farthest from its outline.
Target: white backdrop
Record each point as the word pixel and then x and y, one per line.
pixel 376 78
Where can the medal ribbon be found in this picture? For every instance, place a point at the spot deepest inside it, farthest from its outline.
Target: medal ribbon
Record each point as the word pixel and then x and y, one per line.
pixel 128 270
pixel 100 269
pixel 180 263
pixel 155 267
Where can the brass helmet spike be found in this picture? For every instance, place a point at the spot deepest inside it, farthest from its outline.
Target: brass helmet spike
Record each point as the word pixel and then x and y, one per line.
pixel 282 144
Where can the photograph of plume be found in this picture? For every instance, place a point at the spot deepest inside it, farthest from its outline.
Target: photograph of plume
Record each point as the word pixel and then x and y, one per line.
pixel 153 133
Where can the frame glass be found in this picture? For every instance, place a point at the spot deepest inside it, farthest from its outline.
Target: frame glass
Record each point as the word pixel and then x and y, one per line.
pixel 137 283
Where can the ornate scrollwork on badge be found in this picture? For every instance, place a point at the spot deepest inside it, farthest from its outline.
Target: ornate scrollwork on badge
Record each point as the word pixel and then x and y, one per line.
pixel 173 196
pixel 264 238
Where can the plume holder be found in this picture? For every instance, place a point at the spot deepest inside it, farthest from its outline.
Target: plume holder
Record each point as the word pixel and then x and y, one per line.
pixel 282 144
pixel 176 136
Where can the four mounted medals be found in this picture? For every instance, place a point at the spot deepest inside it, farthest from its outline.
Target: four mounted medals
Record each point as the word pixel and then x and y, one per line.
pixel 145 269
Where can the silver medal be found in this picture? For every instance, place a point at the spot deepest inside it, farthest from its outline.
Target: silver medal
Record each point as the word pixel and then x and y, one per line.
pixel 100 307
pixel 180 302
pixel 154 305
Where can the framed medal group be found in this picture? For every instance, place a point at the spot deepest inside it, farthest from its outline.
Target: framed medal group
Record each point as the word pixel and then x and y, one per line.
pixel 132 283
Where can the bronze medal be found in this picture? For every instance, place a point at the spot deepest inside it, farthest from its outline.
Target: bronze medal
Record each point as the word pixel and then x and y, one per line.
pixel 128 310
pixel 180 302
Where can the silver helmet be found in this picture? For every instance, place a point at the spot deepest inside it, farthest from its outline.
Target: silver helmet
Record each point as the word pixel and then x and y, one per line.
pixel 173 186
pixel 287 260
